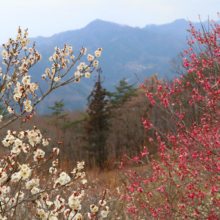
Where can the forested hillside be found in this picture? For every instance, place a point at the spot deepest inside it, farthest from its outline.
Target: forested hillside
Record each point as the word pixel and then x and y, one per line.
pixel 127 51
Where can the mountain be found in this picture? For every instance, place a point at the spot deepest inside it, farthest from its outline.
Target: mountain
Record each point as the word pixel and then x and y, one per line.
pixel 176 28
pixel 126 50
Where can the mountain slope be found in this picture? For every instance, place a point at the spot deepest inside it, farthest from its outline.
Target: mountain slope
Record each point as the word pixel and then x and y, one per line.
pixel 126 50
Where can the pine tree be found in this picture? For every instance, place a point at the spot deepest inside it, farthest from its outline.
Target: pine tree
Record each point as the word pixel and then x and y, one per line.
pixel 124 92
pixel 58 119
pixel 96 126
pixel 57 113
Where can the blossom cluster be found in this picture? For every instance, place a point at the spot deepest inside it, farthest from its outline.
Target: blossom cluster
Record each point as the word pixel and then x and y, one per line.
pixel 21 183
pixel 14 174
pixel 17 90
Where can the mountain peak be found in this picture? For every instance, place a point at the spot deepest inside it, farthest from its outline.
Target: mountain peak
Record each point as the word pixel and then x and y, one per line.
pixel 104 24
pixel 180 21
pixel 99 22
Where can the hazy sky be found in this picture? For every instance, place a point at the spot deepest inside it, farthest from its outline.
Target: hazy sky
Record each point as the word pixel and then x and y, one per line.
pixel 47 17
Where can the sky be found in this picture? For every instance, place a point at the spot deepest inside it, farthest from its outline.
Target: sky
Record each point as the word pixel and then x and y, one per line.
pixel 48 17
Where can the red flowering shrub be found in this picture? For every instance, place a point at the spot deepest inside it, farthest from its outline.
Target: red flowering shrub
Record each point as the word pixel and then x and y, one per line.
pixel 185 182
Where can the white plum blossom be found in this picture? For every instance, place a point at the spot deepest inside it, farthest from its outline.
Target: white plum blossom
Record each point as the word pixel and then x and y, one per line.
pixel 75 200
pixel 32 183
pixel 102 202
pixel 63 179
pixel 33 87
pixel 57 79
pixel 25 174
pixel 27 103
pixel 18 142
pixel 47 71
pixel 17 96
pixel 84 181
pixel 10 110
pixel 87 74
pixel 95 63
pixel 45 142
pixel 35 190
pixel 26 80
pixel 16 150
pixel 104 213
pixel 3 177
pixel 97 53
pixel 34 137
pixel 55 163
pixel 19 196
pixel 4 53
pixel 90 58
pixel 78 216
pixel 56 150
pixel 22 170
pixel 79 68
pixel 83 51
pixel 77 74
pixel 28 108
pixel 38 154
pixel 16 177
pixel 21 135
pixel 80 165
pixel 53 170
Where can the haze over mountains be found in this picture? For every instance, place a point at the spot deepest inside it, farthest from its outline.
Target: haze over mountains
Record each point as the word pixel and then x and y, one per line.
pixel 126 50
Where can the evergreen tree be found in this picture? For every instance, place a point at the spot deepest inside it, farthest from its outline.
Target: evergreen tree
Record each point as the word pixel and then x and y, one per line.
pixel 77 121
pixel 57 113
pixel 96 125
pixel 124 92
pixel 58 119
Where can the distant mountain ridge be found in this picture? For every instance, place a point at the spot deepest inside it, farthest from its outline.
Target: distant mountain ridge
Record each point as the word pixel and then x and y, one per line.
pixel 126 50
pixel 177 27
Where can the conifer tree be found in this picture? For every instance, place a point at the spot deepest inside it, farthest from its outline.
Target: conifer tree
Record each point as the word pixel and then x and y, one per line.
pixel 96 125
pixel 123 93
pixel 57 113
pixel 58 119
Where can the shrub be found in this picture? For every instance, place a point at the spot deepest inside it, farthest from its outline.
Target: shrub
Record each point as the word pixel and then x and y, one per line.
pixel 184 183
